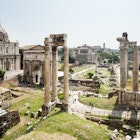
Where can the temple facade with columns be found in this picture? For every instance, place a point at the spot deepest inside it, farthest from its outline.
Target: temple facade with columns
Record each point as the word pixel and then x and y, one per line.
pixel 9 52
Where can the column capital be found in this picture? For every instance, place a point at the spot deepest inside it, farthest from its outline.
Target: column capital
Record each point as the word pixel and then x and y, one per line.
pixel 46 41
pixel 121 39
pixel 65 48
pixel 58 39
pixel 132 44
pixel 123 43
pixel 54 48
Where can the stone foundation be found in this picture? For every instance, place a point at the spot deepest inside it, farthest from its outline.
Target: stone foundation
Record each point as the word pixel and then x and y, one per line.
pixel 45 109
pixel 130 98
pixel 65 107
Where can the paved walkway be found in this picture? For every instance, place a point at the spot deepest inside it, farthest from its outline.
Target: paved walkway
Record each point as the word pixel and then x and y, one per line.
pixel 79 109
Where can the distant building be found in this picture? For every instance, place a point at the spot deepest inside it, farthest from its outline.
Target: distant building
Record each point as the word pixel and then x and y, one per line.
pixel 109 50
pixel 9 52
pixel 96 48
pixel 86 54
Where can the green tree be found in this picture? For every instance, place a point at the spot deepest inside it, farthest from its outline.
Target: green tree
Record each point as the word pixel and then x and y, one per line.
pixel 2 72
pixel 89 75
pixel 71 59
pixel 110 57
pixel 71 70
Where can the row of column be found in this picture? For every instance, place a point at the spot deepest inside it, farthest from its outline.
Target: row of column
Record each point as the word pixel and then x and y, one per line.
pixel 47 79
pixel 124 44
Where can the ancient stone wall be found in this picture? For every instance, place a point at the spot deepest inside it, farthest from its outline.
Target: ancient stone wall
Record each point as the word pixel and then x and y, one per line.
pixel 129 98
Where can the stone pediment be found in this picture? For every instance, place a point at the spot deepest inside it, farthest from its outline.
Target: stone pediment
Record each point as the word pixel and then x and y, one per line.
pixel 32 47
pixel 38 47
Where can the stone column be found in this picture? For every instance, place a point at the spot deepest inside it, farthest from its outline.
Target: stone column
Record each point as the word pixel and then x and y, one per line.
pixel 30 71
pixel 46 105
pixel 123 62
pixel 66 78
pixel 41 75
pixel 54 74
pixel 135 68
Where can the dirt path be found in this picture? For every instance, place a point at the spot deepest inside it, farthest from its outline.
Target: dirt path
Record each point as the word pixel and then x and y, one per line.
pixel 20 97
pixel 22 122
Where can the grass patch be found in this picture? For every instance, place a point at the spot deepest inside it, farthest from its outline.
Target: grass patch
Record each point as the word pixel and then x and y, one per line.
pixel 34 102
pixel 80 68
pixel 16 134
pixel 62 122
pixel 99 102
pixel 104 89
pixel 104 71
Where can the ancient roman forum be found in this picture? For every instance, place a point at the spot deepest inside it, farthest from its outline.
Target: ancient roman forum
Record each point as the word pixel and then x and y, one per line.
pixel 51 44
pixel 124 96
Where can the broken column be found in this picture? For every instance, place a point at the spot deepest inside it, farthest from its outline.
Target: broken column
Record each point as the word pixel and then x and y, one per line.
pixel 123 65
pixel 46 105
pixel 123 60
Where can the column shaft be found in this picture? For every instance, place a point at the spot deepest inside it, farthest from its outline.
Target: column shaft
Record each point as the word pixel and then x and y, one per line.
pixel 47 75
pixel 135 68
pixel 54 74
pixel 123 67
pixel 66 75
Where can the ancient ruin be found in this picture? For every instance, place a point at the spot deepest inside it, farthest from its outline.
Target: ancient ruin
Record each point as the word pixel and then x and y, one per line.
pixel 52 43
pixel 5 98
pixel 112 78
pixel 124 96
pixel 8 119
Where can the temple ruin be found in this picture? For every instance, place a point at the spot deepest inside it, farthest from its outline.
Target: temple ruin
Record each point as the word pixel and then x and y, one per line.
pixel 51 44
pixel 126 97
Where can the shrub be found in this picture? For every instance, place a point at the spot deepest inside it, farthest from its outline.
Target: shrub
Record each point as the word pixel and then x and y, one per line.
pixel 2 72
pixel 60 96
pixel 89 75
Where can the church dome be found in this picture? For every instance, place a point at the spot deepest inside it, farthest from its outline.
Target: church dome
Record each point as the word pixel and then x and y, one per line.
pixel 3 35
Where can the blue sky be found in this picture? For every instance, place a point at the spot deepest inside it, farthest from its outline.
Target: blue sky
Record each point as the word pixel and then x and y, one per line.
pixel 91 22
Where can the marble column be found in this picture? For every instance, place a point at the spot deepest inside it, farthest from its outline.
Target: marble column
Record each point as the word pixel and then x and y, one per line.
pixel 54 73
pixel 66 78
pixel 135 68
pixel 123 62
pixel 46 105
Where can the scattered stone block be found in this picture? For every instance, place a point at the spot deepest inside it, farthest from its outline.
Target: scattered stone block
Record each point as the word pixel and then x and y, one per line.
pixel 27 113
pixel 32 115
